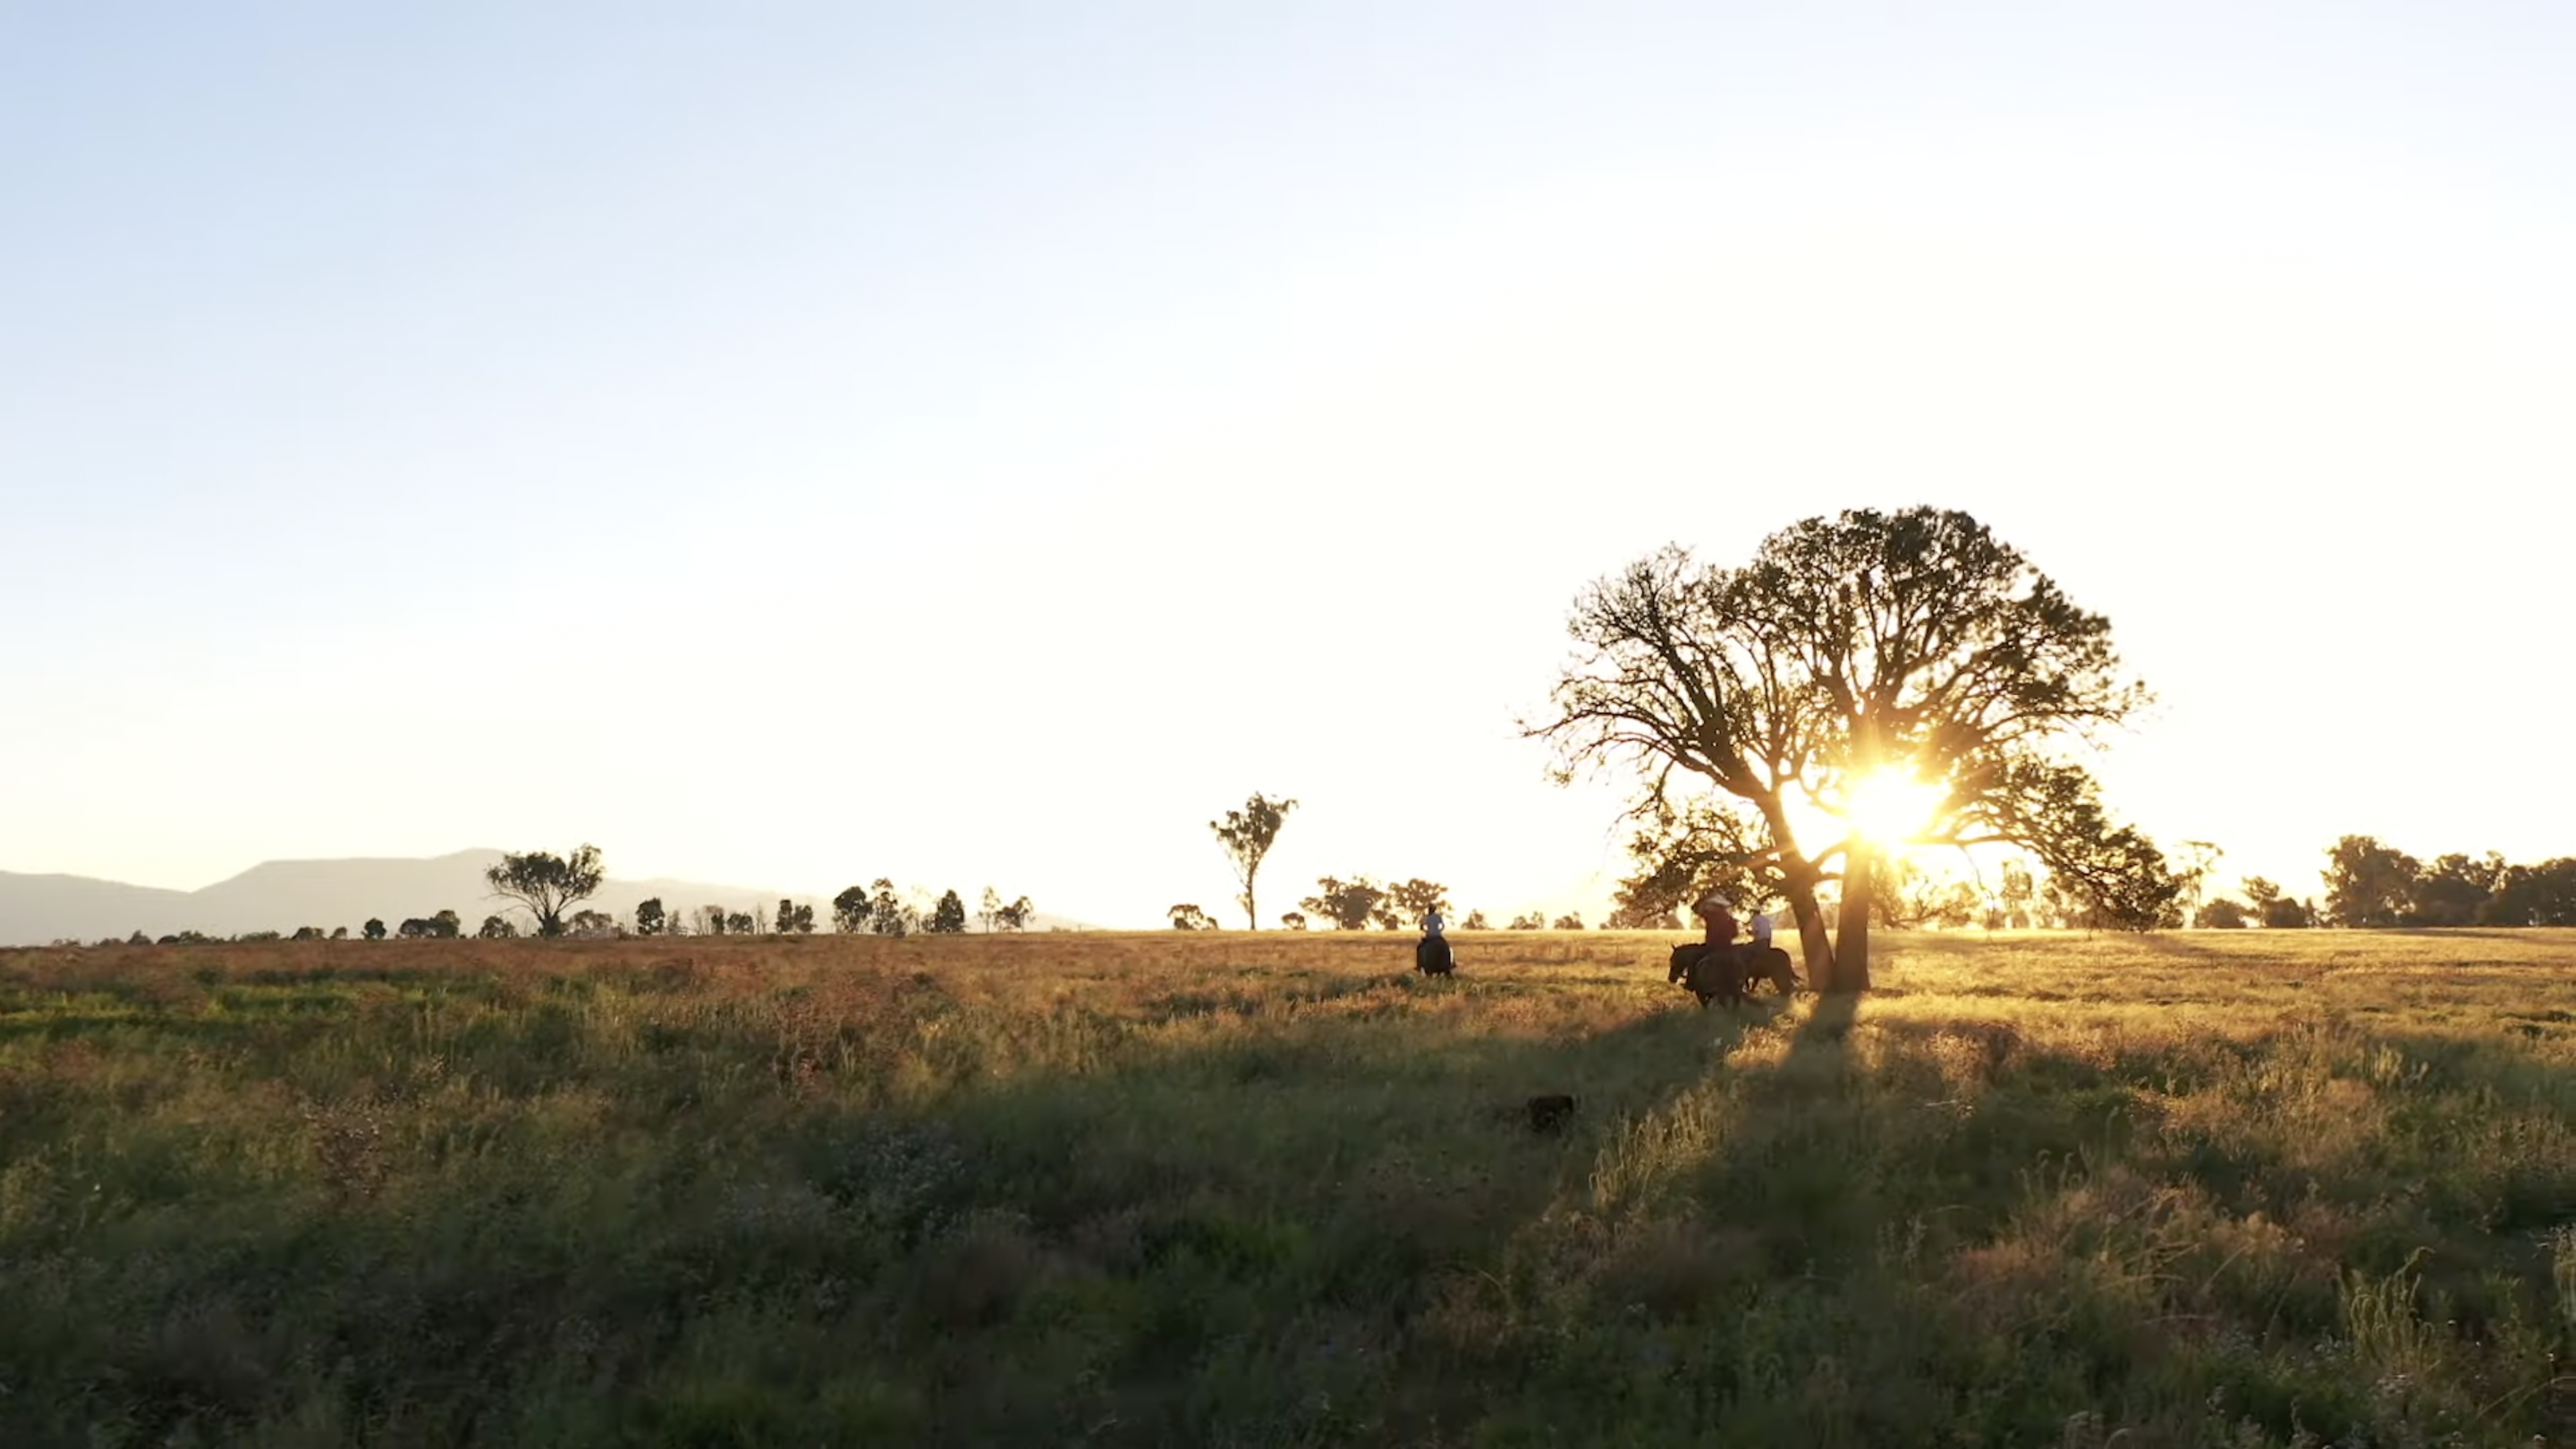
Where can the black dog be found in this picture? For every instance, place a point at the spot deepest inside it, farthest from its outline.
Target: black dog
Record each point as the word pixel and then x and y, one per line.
pixel 1548 1113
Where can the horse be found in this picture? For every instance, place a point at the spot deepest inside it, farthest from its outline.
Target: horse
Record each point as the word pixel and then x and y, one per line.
pixel 1432 957
pixel 1725 973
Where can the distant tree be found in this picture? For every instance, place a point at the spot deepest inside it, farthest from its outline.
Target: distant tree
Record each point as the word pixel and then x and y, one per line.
pixel 245 936
pixel 850 911
pixel 1292 920
pixel 1570 921
pixel 948 916
pixel 1475 922
pixel 1247 835
pixel 140 939
pixel 547 884
pixel 1347 904
pixel 991 909
pixel 443 926
pixel 308 933
pixel 2367 883
pixel 740 923
pixel 1416 898
pixel 2221 913
pixel 2194 862
pixel 649 917
pixel 712 920
pixel 2282 914
pixel 1528 921
pixel 1910 898
pixel 794 919
pixel 2259 895
pixel 591 925
pixel 2536 895
pixel 2016 892
pixel 887 914
pixel 1015 916
pixel 2456 890
pixel 497 928
pixel 338 933
pixel 1190 918
pixel 375 928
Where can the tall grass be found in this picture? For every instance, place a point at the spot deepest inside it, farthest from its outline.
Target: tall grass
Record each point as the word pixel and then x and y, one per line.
pixel 2218 1188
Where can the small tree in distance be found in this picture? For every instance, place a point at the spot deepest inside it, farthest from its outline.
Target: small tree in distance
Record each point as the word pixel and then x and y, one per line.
pixel 1347 904
pixel 991 910
pixel 547 884
pixel 497 928
pixel 649 918
pixel 1414 899
pixel 1247 835
pixel 1293 921
pixel 375 928
pixel 793 919
pixel 850 911
pixel 887 914
pixel 1190 918
pixel 1015 916
pixel 948 917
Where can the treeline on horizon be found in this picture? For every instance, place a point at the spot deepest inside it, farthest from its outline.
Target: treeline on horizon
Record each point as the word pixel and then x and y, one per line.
pixel 2368 886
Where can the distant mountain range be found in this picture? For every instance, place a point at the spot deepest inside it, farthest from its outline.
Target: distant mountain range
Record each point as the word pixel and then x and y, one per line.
pixel 282 895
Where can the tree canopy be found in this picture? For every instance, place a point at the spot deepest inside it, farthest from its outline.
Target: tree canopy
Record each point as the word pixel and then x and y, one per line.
pixel 1246 836
pixel 547 884
pixel 1859 659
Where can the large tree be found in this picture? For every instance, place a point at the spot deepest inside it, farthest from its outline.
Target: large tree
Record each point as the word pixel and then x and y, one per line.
pixel 547 884
pixel 1863 668
pixel 1247 835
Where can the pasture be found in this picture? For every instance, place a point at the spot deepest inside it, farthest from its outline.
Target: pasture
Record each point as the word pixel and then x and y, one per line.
pixel 2208 1188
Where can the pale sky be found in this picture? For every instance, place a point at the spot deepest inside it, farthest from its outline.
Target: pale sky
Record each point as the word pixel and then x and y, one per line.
pixel 793 444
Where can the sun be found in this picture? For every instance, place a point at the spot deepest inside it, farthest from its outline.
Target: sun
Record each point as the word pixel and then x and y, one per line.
pixel 1890 808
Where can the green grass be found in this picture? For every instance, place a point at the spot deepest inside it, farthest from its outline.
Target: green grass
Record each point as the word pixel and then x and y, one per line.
pixel 2213 1188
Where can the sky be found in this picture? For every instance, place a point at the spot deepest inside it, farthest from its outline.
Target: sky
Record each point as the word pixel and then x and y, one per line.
pixel 792 444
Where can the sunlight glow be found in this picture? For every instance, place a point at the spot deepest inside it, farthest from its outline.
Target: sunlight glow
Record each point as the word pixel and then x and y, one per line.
pixel 1890 808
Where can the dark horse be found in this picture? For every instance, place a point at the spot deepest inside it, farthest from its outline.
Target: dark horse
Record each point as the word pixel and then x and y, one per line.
pixel 1726 973
pixel 1431 956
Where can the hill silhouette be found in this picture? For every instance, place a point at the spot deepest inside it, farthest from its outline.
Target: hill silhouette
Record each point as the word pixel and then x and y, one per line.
pixel 281 895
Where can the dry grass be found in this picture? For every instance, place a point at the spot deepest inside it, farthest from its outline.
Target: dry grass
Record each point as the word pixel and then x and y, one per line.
pixel 2235 1188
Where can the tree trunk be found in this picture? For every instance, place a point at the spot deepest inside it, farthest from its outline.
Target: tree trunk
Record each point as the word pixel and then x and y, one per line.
pixel 1251 915
pixel 1813 943
pixel 1851 940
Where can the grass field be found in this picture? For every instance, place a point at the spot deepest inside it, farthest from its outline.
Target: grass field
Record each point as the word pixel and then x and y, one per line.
pixel 2217 1188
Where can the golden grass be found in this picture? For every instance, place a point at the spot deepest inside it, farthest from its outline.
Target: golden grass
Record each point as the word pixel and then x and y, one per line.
pixel 2233 1187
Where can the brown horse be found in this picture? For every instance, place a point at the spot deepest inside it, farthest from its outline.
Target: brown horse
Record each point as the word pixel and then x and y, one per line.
pixel 1726 973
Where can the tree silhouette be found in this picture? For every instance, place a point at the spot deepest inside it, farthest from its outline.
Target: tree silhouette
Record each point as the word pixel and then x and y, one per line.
pixel 1187 917
pixel 2367 883
pixel 887 914
pixel 1347 904
pixel 948 917
pixel 546 884
pixel 650 919
pixel 1866 646
pixel 1247 835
